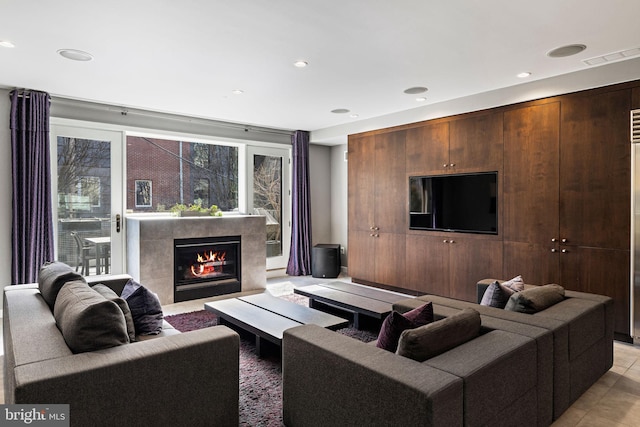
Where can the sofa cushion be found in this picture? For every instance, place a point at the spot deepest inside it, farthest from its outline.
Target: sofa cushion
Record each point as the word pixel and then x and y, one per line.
pixel 110 294
pixel 395 323
pixel 87 320
pixel 145 308
pixel 497 294
pixel 420 315
pixel 440 336
pixel 392 326
pixel 535 299
pixel 51 277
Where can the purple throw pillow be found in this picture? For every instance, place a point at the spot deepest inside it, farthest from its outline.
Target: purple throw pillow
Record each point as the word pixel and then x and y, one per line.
pixel 395 323
pixel 421 315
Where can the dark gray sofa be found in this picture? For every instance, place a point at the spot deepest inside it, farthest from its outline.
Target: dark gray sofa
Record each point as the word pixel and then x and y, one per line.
pixel 581 331
pixel 332 379
pixel 522 370
pixel 172 379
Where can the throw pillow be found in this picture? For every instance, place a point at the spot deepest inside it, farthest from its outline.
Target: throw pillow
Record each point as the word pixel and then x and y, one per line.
pixel 496 295
pixel 87 320
pixel 421 315
pixel 145 308
pixel 516 284
pixel 391 329
pixel 396 322
pixel 51 277
pixel 110 294
pixel 440 336
pixel 535 299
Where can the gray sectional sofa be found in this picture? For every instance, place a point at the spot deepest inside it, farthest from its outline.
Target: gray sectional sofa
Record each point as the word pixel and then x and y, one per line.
pixel 523 369
pixel 165 380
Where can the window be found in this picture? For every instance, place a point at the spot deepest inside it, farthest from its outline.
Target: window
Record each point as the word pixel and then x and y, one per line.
pixel 182 172
pixel 83 176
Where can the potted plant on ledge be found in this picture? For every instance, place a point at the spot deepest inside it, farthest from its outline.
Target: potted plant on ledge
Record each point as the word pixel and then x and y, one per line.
pixel 195 209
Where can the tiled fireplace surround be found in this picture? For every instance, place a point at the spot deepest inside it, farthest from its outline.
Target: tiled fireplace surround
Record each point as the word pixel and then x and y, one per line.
pixel 150 248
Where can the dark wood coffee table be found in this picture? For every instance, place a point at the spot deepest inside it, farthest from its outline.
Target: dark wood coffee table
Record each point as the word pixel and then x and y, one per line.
pixel 358 300
pixel 267 317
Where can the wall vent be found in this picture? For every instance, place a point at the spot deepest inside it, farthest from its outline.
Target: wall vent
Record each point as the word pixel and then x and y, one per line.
pixel 635 126
pixel 614 56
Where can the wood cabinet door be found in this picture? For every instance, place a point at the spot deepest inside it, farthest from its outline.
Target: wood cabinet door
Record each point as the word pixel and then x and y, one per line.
pixel 595 174
pixel 471 260
pixel 427 259
pixel 361 255
pixel 537 264
pixel 427 149
pixel 389 262
pixel 361 183
pixel 476 143
pixel 603 272
pixel 531 173
pixel 391 203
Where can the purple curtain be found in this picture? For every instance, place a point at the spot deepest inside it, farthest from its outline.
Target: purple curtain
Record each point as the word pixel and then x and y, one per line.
pixel 32 226
pixel 300 254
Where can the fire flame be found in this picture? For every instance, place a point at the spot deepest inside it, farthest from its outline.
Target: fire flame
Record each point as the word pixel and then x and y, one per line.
pixel 206 263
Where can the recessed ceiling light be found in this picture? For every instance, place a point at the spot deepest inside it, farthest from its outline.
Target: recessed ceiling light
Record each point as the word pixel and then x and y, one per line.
pixel 354 116
pixel 75 55
pixel 340 111
pixel 568 50
pixel 6 43
pixel 421 98
pixel 415 90
pixel 524 74
pixel 300 64
pixel 237 91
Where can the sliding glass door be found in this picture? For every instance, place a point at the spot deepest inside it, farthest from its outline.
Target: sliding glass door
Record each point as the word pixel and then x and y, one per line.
pixel 87 198
pixel 269 196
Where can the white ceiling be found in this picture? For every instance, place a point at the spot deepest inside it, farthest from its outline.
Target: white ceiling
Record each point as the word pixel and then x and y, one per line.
pixel 187 56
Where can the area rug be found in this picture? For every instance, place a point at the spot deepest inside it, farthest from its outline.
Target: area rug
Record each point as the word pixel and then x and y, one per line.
pixel 260 377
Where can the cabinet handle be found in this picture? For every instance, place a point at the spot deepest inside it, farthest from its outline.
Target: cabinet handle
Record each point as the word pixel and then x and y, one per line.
pixel 554 240
pixel 452 165
pixel 564 251
pixel 564 240
pixel 445 165
pixel 445 241
pixel 554 250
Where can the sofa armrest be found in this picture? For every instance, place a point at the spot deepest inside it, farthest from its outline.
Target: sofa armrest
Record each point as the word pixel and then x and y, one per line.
pixel 182 379
pixel 332 379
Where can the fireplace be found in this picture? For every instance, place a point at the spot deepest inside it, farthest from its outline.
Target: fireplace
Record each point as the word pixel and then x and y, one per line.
pixel 206 267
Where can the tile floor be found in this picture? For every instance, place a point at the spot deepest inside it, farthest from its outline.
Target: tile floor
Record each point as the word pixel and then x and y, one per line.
pixel 613 401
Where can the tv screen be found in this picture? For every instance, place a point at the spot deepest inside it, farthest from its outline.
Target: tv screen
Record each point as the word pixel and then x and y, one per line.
pixel 463 203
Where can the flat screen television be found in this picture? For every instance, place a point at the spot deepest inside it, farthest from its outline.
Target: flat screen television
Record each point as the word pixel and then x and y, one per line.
pixel 464 203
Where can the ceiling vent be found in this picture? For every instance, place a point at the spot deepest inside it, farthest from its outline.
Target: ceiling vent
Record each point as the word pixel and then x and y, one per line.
pixel 611 57
pixel 635 126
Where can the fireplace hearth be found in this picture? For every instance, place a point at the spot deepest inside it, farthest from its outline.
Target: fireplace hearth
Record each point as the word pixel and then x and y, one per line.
pixel 206 267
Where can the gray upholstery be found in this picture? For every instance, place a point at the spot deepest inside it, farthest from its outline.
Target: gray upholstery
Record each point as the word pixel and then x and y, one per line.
pixel 331 379
pixel 172 379
pixel 581 328
pixel 490 380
